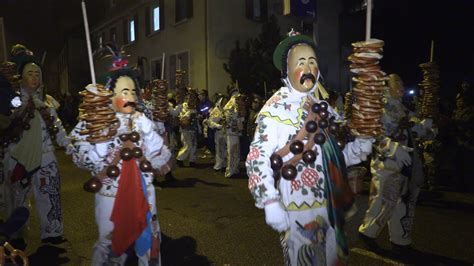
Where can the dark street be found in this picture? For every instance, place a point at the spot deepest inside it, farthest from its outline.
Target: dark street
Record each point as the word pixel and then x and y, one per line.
pixel 208 220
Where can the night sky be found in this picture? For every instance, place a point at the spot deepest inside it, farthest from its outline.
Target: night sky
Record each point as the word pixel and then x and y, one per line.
pixel 406 26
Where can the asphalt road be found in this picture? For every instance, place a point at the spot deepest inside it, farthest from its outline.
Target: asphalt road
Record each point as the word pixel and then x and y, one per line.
pixel 209 220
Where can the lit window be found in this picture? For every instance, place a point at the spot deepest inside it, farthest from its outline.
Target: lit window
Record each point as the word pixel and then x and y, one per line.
pixel 101 41
pixel 156 18
pixel 131 28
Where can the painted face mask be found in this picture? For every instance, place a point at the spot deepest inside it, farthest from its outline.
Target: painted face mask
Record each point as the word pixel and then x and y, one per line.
pixel 303 68
pixel 124 99
pixel 31 77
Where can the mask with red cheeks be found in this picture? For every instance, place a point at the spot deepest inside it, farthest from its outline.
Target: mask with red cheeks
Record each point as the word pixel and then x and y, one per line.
pixel 124 97
pixel 302 68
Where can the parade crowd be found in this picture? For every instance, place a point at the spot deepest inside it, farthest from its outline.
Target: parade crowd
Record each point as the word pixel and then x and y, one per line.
pixel 297 144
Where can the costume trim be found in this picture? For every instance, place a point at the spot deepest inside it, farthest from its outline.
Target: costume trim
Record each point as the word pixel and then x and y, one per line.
pixel 305 206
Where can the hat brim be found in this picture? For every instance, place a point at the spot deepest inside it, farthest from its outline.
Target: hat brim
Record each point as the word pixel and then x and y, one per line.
pixel 285 45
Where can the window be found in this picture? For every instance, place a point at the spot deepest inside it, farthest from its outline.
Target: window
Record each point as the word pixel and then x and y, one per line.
pixel 131 30
pixel 256 10
pixel 184 10
pixel 154 18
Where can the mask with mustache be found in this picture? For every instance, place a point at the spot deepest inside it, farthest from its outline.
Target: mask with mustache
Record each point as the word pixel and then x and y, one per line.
pixel 307 76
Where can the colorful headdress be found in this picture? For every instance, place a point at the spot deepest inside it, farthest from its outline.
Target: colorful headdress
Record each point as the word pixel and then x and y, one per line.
pixel 118 65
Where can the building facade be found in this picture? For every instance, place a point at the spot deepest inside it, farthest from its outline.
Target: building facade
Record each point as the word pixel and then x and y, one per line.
pixel 194 35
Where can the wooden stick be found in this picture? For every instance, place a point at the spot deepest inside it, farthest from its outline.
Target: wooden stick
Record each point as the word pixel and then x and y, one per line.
pixel 88 40
pixel 368 20
pixel 432 51
pixel 265 89
pixel 163 67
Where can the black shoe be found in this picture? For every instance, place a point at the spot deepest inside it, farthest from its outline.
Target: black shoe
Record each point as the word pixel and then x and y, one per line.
pixel 404 253
pixel 369 242
pixel 180 163
pixel 192 164
pixel 57 240
pixel 401 249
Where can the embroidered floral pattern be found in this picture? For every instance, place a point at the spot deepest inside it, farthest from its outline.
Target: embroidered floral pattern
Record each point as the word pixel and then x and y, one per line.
pixel 309 177
pixel 253 181
pixel 253 154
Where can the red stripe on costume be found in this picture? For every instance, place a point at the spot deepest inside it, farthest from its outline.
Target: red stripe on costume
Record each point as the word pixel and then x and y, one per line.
pixel 130 208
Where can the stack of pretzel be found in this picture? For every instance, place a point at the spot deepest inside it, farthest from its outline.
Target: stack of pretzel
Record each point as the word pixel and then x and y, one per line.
pixel 179 78
pixel 159 89
pixel 8 69
pixel 429 86
pixel 347 104
pixel 96 111
pixel 367 106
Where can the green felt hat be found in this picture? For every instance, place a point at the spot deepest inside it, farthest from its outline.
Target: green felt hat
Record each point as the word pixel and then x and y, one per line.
pixel 281 51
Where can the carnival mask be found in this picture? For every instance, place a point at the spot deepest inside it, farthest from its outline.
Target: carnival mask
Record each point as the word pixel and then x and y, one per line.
pixel 124 99
pixel 303 68
pixel 31 77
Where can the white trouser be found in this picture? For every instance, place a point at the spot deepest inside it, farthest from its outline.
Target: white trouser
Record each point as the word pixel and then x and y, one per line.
pixel 392 200
pixel 221 150
pixel 233 155
pixel 102 252
pixel 45 183
pixel 188 151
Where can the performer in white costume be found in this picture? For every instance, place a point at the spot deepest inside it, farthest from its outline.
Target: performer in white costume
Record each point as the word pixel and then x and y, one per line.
pixel 29 162
pixel 216 122
pixel 395 181
pixel 234 127
pixel 297 172
pixel 123 165
pixel 189 128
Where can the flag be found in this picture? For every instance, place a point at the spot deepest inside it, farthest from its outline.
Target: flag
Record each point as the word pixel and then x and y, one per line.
pixel 300 8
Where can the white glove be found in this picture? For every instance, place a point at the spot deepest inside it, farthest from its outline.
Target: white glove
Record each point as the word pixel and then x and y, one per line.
pixel 101 149
pixel 69 149
pixel 143 124
pixel 363 147
pixel 402 156
pixel 276 217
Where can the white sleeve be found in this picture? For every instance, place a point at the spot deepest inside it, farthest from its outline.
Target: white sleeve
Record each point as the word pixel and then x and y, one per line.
pixel 154 149
pixel 261 182
pixel 85 155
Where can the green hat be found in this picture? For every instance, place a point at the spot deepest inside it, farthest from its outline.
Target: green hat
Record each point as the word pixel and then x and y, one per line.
pixel 281 51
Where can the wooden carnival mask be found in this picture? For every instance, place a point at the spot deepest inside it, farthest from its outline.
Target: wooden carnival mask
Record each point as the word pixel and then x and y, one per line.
pixel 302 68
pixel 31 77
pixel 124 99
